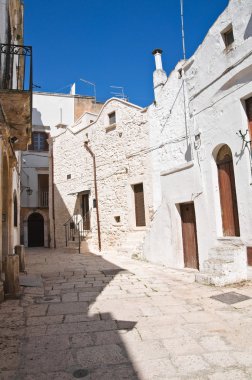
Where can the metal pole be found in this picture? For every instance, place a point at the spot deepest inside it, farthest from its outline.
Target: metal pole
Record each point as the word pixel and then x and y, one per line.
pixel 182 25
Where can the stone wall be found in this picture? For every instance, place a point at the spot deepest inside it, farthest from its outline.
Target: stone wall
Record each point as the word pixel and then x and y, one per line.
pixel 121 161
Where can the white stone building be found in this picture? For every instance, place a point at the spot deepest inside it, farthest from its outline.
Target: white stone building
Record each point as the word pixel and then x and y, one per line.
pixel 201 163
pixel 51 112
pixel 116 216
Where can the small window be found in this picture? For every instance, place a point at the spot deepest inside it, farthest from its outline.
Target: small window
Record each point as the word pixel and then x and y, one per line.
pixel 68 176
pixel 112 118
pixel 39 141
pixel 228 36
pixel 117 219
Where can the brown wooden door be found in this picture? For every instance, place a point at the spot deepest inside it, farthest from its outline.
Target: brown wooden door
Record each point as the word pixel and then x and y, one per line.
pixel 229 210
pixel 189 233
pixel 249 115
pixel 139 205
pixel 85 211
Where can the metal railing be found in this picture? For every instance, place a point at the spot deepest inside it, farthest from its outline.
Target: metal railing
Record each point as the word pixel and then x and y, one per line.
pixel 15 67
pixel 75 230
pixel 43 199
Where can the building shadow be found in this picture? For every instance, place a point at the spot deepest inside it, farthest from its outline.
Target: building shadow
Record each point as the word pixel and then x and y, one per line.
pixel 61 337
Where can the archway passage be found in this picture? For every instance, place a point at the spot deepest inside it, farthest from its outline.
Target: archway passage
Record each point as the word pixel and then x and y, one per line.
pixel 229 209
pixel 35 230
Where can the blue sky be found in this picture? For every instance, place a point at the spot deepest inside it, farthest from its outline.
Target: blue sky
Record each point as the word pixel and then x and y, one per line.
pixel 109 42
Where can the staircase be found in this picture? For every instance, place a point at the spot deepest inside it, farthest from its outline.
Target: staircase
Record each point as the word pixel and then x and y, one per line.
pixel 226 264
pixel 75 232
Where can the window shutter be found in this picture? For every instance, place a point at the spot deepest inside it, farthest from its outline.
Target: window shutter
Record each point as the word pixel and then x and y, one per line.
pixel 31 146
pixel 46 146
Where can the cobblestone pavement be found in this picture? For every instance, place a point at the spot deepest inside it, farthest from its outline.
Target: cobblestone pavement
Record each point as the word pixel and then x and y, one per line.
pixel 111 318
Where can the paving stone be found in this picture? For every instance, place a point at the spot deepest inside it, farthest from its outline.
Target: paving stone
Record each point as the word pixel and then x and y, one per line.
pixel 36 310
pixel 67 308
pixel 106 354
pixel 44 320
pixel 234 374
pixel 182 346
pixel 155 369
pixel 220 359
pixel 187 364
pixel 214 343
pixel 74 328
pixel 48 343
pixel 47 361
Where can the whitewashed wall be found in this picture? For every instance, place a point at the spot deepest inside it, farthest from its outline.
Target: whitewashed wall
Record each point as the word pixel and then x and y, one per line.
pixel 216 113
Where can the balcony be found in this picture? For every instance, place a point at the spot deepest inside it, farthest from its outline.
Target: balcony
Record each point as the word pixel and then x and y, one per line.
pixel 43 198
pixel 16 93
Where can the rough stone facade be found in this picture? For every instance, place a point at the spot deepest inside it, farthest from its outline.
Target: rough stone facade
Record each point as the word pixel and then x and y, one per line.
pixel 120 164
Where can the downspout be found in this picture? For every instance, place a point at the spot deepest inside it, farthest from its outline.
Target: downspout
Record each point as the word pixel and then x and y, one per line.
pixel 53 210
pixel 96 194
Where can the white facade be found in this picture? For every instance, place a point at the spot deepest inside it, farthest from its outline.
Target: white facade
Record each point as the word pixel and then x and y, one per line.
pixel 197 110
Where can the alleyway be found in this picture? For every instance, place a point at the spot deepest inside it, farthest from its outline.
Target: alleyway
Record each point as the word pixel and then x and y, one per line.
pixel 112 318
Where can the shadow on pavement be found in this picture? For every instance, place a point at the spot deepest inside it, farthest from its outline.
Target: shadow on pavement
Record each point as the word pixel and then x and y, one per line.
pixel 51 334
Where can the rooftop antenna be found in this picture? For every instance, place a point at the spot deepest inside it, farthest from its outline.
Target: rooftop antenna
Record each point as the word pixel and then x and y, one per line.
pixel 182 26
pixel 92 84
pixel 120 93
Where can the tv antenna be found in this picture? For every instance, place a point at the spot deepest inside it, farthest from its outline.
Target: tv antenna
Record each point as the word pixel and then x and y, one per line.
pixel 91 84
pixel 119 92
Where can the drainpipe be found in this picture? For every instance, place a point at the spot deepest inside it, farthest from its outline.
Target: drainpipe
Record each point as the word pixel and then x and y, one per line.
pixel 53 209
pixel 96 194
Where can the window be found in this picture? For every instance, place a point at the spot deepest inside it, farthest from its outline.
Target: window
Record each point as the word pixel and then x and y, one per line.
pixel 68 176
pixel 15 218
pixel 248 105
pixel 139 205
pixel 39 142
pixel 228 36
pixel 112 118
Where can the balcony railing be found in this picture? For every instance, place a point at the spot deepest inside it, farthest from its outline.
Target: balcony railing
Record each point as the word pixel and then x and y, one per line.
pixel 15 67
pixel 43 199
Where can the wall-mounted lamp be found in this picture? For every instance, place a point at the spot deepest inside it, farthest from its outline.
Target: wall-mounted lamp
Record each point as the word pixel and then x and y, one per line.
pixel 13 139
pixel 28 190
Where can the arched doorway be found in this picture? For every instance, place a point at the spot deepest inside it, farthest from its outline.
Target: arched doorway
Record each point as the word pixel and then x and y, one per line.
pixel 35 230
pixel 229 209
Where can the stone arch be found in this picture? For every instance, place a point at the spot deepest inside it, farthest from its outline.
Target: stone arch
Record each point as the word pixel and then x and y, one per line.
pixel 227 191
pixel 46 226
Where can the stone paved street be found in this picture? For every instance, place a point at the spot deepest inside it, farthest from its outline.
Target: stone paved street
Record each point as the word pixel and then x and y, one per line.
pixel 109 317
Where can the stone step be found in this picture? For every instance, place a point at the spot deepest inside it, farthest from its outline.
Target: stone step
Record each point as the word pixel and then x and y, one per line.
pixel 218 280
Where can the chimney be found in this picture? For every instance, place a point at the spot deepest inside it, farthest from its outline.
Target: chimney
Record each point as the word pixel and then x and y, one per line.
pixel 72 90
pixel 159 75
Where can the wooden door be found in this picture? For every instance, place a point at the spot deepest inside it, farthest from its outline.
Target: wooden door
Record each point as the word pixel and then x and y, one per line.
pixel 249 115
pixel 229 210
pixel 189 234
pixel 85 211
pixel 139 205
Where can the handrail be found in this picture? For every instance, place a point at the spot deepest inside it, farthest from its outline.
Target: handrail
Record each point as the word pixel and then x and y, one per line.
pixel 75 226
